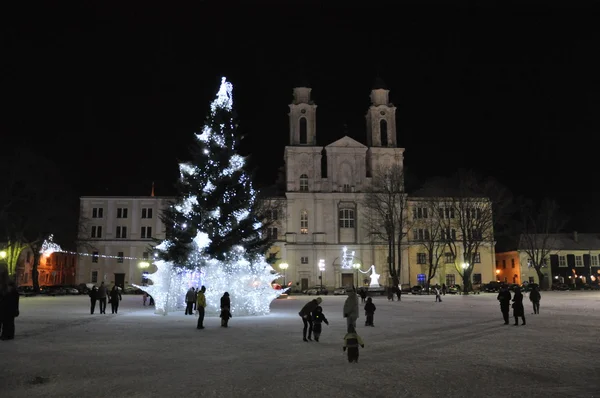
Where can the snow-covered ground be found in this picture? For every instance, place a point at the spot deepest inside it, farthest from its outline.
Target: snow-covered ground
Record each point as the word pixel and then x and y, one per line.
pixel 417 348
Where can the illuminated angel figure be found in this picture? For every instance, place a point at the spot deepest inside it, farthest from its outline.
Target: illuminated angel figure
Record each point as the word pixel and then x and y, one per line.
pixel 374 277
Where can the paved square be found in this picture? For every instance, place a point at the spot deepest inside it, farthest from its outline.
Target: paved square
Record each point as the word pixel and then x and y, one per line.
pixel 417 348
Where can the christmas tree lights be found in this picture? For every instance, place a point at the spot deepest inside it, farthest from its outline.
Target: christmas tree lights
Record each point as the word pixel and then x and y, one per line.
pixel 213 228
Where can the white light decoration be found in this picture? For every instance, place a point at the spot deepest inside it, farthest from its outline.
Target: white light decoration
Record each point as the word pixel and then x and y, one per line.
pixel 249 284
pixel 169 286
pixel 374 276
pixel 347 259
pixel 49 247
pixel 224 96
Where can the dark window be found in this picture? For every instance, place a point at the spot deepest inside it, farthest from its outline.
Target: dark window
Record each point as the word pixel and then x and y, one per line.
pixel 303 131
pixel 383 130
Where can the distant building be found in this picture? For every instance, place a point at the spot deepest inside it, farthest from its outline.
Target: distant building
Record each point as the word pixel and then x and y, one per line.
pixel 55 269
pixel 116 240
pixel 573 258
pixel 324 199
pixel 508 267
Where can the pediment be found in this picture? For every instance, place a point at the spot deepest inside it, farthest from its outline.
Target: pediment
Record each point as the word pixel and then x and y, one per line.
pixel 346 142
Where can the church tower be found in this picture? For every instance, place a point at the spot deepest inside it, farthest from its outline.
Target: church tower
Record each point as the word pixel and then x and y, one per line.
pixel 381 118
pixel 303 118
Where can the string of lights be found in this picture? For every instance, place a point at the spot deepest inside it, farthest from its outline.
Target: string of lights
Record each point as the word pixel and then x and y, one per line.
pixel 49 247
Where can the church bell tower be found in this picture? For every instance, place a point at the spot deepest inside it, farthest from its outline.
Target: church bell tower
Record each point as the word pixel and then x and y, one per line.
pixel 381 118
pixel 303 118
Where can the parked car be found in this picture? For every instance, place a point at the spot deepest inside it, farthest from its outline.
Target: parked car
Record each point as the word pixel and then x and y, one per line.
pixel 340 291
pixel 317 290
pixel 418 289
pixel 560 286
pixel 454 289
pixel 492 287
pixel 26 291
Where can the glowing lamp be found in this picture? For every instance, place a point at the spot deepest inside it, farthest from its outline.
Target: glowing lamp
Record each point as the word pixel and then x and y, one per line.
pixel 144 264
pixel 284 266
pixel 3 254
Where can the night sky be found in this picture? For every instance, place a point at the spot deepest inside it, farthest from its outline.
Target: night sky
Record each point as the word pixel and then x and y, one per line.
pixel 113 95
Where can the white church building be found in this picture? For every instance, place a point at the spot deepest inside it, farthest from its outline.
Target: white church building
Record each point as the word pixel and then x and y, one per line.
pixel 324 190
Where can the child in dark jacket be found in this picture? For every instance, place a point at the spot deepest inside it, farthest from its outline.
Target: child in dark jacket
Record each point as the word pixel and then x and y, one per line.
pixel 369 312
pixel 225 310
pixel 351 342
pixel 318 318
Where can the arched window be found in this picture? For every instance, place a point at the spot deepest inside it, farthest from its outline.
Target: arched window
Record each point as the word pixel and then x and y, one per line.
pixel 346 217
pixel 303 222
pixel 383 131
pixel 303 131
pixel 304 183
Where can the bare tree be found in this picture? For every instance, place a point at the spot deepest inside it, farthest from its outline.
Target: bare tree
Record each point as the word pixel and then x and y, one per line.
pixel 468 208
pixel 539 226
pixel 431 237
pixel 385 210
pixel 38 204
pixel 272 212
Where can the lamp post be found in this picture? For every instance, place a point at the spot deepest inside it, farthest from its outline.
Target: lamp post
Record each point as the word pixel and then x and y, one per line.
pixel 284 267
pixel 356 266
pixel 321 268
pixel 464 267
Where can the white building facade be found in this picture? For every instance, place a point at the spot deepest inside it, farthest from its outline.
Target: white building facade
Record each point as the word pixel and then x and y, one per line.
pixel 324 190
pixel 116 238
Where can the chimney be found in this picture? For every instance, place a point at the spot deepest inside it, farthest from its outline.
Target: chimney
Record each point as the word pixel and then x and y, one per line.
pixel 575 236
pixel 152 193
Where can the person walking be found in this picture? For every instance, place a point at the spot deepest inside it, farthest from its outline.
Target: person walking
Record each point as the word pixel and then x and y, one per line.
pixel 190 299
pixel 93 298
pixel 115 298
pixel 9 305
pixel 351 342
pixel 370 312
pixel 351 309
pixel 225 310
pixel 535 298
pixel 504 299
pixel 200 306
pixel 518 310
pixel 102 292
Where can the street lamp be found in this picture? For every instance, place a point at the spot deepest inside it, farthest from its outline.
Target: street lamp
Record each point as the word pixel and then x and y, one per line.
pixel 284 267
pixel 356 266
pixel 3 254
pixel 144 264
pixel 321 268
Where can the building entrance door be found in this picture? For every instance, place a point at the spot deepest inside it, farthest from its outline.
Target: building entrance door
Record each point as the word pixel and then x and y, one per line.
pixel 304 284
pixel 120 280
pixel 348 280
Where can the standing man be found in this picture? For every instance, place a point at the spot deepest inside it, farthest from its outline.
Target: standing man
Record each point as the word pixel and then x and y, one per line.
pixel 200 305
pixel 351 308
pixel 190 299
pixel 102 292
pixel 504 299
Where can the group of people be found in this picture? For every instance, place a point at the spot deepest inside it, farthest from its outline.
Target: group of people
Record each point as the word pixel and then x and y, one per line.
pixel 100 294
pixel 195 300
pixel 313 318
pixel 504 297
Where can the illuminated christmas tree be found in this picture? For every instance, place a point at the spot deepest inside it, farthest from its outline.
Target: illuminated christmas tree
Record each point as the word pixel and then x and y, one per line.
pixel 214 227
